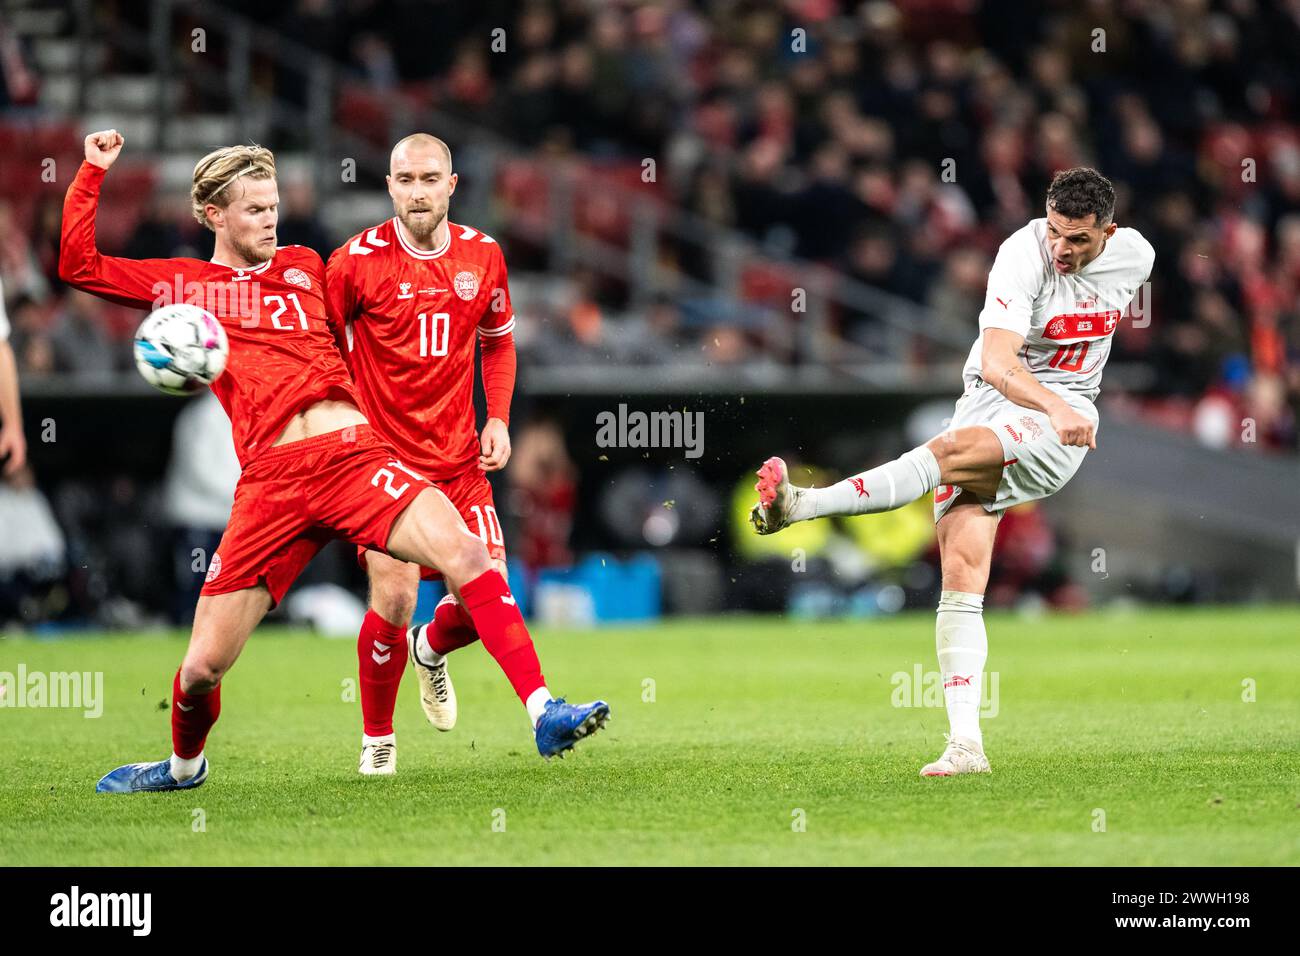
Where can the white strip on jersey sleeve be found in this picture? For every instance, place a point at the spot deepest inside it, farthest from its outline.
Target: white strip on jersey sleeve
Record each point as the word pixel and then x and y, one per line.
pixel 4 318
pixel 493 333
pixel 1014 282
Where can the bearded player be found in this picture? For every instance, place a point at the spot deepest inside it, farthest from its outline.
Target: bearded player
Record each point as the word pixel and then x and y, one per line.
pixel 312 468
pixel 1055 296
pixel 413 295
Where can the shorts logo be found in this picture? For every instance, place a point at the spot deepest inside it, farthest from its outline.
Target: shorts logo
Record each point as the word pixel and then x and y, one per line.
pixel 297 277
pixel 213 569
pixel 1013 433
pixel 466 285
pixel 1035 430
pixel 861 489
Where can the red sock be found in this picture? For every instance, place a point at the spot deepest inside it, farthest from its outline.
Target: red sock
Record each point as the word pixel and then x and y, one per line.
pixel 192 717
pixel 496 618
pixel 451 627
pixel 381 659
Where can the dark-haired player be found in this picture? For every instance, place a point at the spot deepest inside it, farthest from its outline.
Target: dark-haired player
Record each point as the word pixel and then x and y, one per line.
pixel 1055 295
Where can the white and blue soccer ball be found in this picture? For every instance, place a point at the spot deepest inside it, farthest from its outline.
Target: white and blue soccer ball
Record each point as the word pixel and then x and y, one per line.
pixel 181 349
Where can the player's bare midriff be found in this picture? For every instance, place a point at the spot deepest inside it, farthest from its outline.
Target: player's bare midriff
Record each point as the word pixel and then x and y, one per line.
pixel 320 418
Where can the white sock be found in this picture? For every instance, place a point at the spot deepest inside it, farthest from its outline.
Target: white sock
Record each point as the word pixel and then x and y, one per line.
pixel 963 646
pixel 182 768
pixel 366 739
pixel 884 488
pixel 536 704
pixel 423 652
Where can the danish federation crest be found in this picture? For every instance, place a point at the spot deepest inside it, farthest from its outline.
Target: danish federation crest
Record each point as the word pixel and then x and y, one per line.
pixel 297 277
pixel 213 569
pixel 466 285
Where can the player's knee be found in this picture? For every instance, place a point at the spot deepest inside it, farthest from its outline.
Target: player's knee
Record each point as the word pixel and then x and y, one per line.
pixel 469 559
pixel 963 571
pixel 393 595
pixel 201 675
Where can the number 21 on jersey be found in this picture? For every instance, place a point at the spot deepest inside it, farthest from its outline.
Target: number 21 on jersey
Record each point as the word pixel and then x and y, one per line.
pixel 433 333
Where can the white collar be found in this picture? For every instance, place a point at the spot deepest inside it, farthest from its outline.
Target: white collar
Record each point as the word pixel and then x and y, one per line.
pixel 420 253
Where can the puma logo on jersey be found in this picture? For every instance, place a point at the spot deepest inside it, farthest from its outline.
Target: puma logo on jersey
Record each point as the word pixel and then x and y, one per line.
pixel 1005 304
pixel 1013 433
pixel 857 483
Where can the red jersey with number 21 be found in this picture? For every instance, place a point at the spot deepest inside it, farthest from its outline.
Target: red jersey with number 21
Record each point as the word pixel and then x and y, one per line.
pixel 410 321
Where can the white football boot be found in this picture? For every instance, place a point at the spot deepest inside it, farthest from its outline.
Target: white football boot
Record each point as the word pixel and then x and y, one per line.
pixel 962 755
pixel 437 695
pixel 378 757
pixel 777 498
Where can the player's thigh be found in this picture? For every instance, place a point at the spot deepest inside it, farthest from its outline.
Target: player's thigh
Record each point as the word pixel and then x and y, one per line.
pixel 431 532
pixel 969 457
pixel 222 624
pixel 966 534
pixel 394 586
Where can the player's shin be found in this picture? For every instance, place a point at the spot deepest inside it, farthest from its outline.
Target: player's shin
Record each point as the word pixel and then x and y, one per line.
pixel 884 488
pixel 501 628
pixel 963 646
pixel 193 715
pixel 381 659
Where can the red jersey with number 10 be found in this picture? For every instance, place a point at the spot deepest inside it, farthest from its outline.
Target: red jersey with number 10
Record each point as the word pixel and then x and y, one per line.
pixel 410 321
pixel 283 355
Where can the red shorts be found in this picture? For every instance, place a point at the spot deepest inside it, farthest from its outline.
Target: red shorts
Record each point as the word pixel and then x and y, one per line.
pixel 471 494
pixel 294 499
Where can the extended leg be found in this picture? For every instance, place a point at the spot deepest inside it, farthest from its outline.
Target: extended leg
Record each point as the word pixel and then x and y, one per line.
pixel 431 532
pixel 222 624
pixel 969 457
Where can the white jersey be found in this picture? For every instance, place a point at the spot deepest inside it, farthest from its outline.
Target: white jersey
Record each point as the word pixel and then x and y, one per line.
pixel 1068 321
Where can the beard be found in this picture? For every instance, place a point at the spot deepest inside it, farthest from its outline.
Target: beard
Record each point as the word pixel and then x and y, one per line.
pixel 422 229
pixel 250 252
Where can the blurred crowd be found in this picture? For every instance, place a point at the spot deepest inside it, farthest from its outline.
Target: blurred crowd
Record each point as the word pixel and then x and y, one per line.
pixel 895 142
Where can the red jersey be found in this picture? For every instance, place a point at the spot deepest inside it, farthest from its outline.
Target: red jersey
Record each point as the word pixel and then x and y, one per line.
pixel 410 319
pixel 283 353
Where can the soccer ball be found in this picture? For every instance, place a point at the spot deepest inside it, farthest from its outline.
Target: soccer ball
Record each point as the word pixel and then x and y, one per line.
pixel 180 349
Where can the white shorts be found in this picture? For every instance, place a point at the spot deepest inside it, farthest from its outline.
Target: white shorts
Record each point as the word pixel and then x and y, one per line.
pixel 1034 462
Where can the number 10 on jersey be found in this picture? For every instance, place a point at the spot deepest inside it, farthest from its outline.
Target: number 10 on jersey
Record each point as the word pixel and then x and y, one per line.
pixel 433 333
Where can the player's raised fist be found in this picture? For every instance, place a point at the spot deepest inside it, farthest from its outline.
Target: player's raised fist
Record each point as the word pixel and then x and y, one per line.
pixel 102 147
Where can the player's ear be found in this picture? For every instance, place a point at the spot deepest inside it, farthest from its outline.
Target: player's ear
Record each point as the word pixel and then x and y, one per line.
pixel 452 180
pixel 1110 230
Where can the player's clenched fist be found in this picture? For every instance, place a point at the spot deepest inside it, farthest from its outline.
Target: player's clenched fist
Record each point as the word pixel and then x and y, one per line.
pixel 103 147
pixel 1073 428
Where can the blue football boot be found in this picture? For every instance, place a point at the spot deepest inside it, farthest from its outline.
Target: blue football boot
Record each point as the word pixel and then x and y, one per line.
pixel 563 725
pixel 148 777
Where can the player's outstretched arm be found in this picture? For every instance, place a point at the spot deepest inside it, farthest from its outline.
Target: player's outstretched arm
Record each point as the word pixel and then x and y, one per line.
pixel 138 283
pixel 1002 368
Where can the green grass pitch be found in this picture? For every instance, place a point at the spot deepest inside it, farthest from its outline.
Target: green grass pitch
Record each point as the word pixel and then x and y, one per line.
pixel 1124 738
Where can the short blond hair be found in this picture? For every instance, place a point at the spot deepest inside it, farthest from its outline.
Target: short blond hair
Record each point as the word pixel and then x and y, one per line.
pixel 218 171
